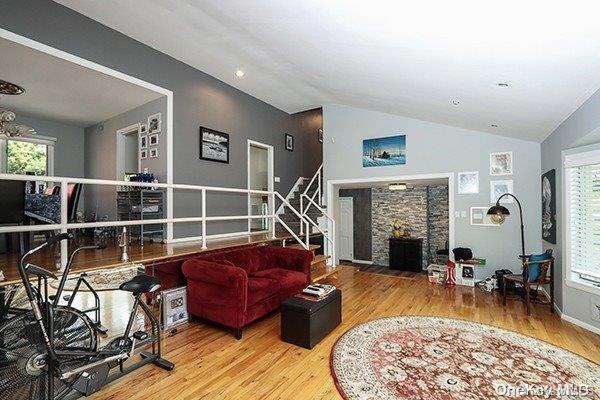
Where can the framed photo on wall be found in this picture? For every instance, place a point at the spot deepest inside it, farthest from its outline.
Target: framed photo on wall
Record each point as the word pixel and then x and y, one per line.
pixel 154 152
pixel 143 154
pixel 549 206
pixel 289 142
pixel 154 123
pixel 384 151
pixel 479 217
pixel 468 182
pixel 153 140
pixel 214 145
pixel 144 142
pixel 501 163
pixel 498 188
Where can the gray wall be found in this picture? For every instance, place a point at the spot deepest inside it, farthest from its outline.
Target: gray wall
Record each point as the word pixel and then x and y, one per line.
pixel 361 215
pixel 308 123
pixel 101 155
pixel 69 148
pixel 581 128
pixel 436 148
pixel 199 100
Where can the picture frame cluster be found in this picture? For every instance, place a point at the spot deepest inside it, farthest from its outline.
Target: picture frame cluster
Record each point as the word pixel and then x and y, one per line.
pixel 149 136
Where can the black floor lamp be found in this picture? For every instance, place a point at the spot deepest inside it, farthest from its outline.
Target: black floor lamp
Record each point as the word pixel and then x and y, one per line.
pixel 499 213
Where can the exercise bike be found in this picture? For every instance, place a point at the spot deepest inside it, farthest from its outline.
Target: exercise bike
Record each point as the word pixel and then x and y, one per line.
pixel 51 351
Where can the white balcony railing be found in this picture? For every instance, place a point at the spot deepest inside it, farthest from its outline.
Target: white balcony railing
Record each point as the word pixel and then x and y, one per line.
pixel 203 219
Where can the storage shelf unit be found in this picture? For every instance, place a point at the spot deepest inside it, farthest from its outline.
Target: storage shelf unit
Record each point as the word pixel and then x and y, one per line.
pixel 133 205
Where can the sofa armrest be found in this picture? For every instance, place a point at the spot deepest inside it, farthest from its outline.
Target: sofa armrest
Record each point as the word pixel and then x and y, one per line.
pixel 215 273
pixel 292 259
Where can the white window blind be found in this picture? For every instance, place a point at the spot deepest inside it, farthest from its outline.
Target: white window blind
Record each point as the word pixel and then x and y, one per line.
pixel 584 220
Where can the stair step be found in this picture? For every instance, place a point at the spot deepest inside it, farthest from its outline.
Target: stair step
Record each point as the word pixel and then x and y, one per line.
pixel 319 258
pixel 324 273
pixel 311 247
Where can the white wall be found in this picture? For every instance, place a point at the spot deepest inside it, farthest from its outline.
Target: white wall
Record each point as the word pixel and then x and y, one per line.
pixel 435 148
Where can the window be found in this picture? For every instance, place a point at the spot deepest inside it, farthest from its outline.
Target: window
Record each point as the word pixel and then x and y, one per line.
pixel 582 207
pixel 27 155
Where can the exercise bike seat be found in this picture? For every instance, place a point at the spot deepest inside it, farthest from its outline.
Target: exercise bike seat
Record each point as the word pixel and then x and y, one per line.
pixel 141 284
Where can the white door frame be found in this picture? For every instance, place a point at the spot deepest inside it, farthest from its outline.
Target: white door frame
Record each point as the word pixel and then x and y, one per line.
pixel 346 198
pixel 13 37
pixel 334 184
pixel 128 130
pixel 270 171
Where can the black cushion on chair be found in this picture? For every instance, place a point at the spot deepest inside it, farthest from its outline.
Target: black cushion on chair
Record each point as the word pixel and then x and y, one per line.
pixel 141 284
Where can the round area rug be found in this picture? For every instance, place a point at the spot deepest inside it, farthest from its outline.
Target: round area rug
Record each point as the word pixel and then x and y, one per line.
pixel 440 358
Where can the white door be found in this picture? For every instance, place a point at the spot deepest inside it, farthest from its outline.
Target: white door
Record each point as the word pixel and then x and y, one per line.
pixel 346 247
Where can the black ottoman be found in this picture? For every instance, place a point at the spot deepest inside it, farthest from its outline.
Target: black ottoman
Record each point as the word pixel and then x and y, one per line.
pixel 305 323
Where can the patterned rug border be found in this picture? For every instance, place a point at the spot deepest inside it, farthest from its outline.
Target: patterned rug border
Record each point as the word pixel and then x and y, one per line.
pixel 332 352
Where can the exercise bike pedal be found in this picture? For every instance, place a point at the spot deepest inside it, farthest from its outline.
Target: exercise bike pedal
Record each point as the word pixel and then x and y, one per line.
pixel 141 335
pixel 67 297
pixel 100 328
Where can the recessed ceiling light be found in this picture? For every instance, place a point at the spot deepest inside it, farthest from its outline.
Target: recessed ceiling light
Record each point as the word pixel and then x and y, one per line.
pixel 494 126
pixel 455 102
pixel 502 84
pixel 239 73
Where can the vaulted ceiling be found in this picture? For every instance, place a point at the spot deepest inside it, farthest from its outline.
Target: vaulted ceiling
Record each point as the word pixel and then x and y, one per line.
pixel 416 59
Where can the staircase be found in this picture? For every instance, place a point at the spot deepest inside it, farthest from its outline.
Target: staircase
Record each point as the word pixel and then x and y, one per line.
pixel 313 213
pixel 319 269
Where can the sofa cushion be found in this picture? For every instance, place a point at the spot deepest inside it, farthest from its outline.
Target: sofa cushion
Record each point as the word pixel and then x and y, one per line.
pixel 249 259
pixel 260 289
pixel 291 282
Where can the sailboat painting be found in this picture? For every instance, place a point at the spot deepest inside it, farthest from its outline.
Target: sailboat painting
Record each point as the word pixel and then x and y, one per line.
pixel 383 152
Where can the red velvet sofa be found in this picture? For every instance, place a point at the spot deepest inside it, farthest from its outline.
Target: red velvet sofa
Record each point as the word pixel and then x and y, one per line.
pixel 234 288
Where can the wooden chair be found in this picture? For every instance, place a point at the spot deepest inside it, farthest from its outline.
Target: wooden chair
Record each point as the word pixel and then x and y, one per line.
pixel 546 277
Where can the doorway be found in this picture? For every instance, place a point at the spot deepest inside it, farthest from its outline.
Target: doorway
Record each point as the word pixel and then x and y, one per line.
pixel 128 151
pixel 260 177
pixel 346 228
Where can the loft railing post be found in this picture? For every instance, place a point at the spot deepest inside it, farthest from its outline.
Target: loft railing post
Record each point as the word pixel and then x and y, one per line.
pixel 64 220
pixel 273 214
pixel 319 187
pixel 204 247
pixel 301 213
pixel 333 260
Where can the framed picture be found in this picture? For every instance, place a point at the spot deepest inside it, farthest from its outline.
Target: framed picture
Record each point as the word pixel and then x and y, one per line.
pixel 468 182
pixel 320 135
pixel 143 129
pixel 174 307
pixel 154 152
pixel 385 151
pixel 498 188
pixel 144 154
pixel 289 142
pixel 479 217
pixel 154 123
pixel 144 142
pixel 501 163
pixel 214 145
pixel 153 140
pixel 549 206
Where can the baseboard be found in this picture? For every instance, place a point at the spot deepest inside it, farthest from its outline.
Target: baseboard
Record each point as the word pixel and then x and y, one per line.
pixel 581 324
pixel 363 262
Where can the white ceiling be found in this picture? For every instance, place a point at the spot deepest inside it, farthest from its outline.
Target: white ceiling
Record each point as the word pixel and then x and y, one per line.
pixel 59 90
pixel 406 58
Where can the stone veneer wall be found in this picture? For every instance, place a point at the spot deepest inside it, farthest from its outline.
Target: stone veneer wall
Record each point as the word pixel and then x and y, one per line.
pixel 422 209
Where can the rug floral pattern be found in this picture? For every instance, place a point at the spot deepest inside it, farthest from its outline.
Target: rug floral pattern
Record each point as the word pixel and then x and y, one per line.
pixel 439 358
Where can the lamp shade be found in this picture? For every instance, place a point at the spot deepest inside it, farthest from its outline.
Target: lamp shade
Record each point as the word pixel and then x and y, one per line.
pixel 498 213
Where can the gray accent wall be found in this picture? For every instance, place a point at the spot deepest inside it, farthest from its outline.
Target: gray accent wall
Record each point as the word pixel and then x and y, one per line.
pixel 582 128
pixel 101 155
pixel 435 148
pixel 199 100
pixel 69 147
pixel 361 215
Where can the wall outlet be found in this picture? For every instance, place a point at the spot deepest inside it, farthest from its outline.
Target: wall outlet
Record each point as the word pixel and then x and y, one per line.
pixel 456 214
pixel 595 309
pixel 277 179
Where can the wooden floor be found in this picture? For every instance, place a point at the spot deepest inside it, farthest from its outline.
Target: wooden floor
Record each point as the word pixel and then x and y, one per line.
pixel 211 364
pixel 109 257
